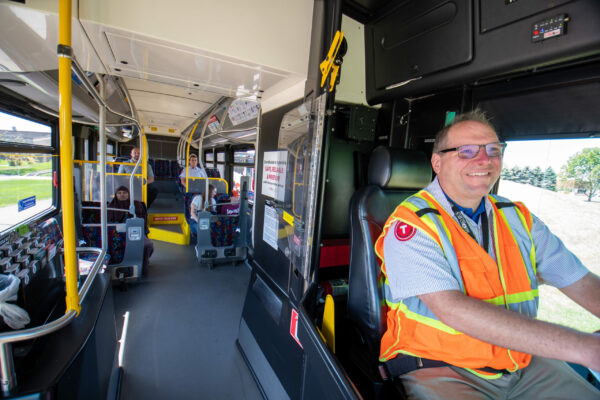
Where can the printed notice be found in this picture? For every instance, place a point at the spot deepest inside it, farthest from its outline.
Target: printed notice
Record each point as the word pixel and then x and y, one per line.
pixel 273 174
pixel 271 227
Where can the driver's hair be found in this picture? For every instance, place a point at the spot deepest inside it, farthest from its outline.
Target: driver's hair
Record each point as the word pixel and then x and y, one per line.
pixel 476 115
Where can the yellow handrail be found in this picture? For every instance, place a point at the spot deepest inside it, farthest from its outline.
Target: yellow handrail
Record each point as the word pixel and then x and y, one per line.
pixel 66 157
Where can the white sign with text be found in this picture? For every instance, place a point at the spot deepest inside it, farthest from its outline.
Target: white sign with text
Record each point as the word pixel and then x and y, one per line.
pixel 273 174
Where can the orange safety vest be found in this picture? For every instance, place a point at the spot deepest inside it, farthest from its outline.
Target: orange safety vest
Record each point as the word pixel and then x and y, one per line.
pixel 510 282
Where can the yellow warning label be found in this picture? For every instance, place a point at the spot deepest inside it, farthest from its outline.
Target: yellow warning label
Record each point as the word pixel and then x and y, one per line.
pixel 288 218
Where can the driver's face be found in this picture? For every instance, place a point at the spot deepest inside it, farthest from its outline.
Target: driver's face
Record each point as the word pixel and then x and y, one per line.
pixel 193 162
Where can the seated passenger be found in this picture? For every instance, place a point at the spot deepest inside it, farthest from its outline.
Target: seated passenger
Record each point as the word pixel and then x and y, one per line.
pixel 127 169
pixel 193 171
pixel 198 204
pixel 462 271
pixel 121 201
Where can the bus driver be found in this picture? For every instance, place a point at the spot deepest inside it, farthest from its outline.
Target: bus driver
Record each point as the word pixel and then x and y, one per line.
pixel 466 303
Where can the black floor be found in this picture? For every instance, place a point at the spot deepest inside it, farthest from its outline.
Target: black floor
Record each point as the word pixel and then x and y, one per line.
pixel 183 323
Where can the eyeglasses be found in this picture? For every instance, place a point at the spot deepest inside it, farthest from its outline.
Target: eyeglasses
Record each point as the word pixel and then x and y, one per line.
pixel 472 150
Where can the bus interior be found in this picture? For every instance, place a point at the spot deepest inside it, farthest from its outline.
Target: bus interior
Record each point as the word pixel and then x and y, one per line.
pixel 312 121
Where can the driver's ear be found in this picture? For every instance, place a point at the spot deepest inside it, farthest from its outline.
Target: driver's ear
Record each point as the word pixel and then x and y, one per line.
pixel 436 161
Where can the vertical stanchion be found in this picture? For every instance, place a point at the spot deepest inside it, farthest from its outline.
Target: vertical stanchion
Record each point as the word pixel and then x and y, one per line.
pixel 7 368
pixel 66 154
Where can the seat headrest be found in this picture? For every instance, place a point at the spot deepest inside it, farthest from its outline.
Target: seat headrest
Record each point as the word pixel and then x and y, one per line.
pixel 399 168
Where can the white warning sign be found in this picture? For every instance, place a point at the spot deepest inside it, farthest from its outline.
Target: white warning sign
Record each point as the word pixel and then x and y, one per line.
pixel 274 173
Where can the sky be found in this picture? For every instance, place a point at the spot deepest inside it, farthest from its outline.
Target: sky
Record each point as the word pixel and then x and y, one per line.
pixel 544 153
pixel 7 122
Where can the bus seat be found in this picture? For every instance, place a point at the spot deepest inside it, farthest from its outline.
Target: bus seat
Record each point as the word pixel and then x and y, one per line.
pixel 213 173
pixel 393 175
pixel 229 209
pixel 116 241
pixel 223 230
pixel 162 168
pixel 175 169
pixel 51 230
pixel 224 238
pixel 90 215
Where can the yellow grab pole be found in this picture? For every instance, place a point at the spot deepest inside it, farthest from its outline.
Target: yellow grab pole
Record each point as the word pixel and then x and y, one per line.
pixel 187 154
pixel 66 155
pixel 144 167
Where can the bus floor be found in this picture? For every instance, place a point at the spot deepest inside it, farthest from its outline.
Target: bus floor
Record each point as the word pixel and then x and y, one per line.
pixel 183 323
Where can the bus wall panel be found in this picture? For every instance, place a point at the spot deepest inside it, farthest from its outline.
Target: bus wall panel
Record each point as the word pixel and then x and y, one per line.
pixel 267 313
pixel 506 50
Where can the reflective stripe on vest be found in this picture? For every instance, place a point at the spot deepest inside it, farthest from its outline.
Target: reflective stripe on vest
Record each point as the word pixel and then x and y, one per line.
pixel 508 282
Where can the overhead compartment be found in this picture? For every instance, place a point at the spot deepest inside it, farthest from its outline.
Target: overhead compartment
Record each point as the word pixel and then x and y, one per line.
pixel 421 47
pixel 419 38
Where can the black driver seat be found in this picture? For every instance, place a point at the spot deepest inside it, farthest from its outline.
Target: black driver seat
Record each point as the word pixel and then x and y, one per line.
pixel 393 175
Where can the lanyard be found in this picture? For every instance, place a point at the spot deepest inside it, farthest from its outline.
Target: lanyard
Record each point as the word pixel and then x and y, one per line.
pixel 465 225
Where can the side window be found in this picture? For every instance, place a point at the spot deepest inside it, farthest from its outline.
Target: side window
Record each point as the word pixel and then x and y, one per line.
pixel 221 163
pixel 559 181
pixel 26 170
pixel 209 160
pixel 243 166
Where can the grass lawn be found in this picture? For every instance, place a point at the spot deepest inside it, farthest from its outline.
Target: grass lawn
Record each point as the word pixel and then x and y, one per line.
pixel 575 222
pixel 13 190
pixel 6 169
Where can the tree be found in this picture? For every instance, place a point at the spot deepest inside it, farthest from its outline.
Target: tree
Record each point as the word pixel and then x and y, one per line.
pixel 526 175
pixel 549 179
pixel 537 177
pixel 584 168
pixel 515 173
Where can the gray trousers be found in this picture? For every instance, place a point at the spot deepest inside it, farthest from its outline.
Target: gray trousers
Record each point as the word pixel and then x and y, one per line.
pixel 543 379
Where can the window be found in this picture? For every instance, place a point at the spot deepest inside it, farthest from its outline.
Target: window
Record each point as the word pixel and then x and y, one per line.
pixel 221 168
pixel 240 158
pixel 26 187
pixel 244 157
pixel 15 129
pixel 541 174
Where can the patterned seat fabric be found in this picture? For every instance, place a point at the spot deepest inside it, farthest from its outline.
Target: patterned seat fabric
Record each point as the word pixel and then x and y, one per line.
pixel 51 230
pixel 116 241
pixel 90 216
pixel 162 168
pixel 223 230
